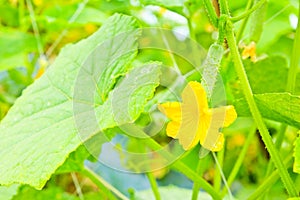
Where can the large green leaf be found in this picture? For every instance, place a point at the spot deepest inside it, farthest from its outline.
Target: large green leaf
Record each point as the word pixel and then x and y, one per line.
pixel 297 155
pixel 39 131
pixel 6 193
pixel 281 107
pixel 267 75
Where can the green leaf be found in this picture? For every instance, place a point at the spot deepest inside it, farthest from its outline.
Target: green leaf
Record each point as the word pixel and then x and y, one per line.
pixel 75 161
pixel 281 107
pixel 39 131
pixel 296 167
pixel 267 75
pixel 16 46
pixel 170 192
pixel 6 193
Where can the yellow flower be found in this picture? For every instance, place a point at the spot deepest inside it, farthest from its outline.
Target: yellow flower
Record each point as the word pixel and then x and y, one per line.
pixel 250 51
pixel 193 121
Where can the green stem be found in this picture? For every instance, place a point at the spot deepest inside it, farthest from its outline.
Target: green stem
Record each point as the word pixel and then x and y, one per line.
pixel 152 144
pixel 244 22
pixel 102 184
pixel 268 182
pixel 201 166
pixel 196 186
pixel 153 184
pixel 278 144
pixel 292 76
pixel 255 112
pixel 197 179
pixel 240 159
pixel 218 178
pixel 211 12
pixel 224 7
pixel 248 12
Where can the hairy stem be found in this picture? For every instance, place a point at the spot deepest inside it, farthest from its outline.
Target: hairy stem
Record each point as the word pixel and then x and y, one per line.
pixel 256 113
pixel 211 12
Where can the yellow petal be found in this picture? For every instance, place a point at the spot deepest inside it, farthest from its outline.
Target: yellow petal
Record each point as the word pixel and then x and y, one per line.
pixel 219 143
pixel 193 105
pixel 171 109
pixel 173 129
pixel 188 135
pixel 224 116
pixel 210 132
pixel 216 119
pixel 250 51
pixel 194 96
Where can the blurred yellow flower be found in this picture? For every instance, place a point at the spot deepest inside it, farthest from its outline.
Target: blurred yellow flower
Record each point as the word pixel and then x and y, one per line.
pixel 250 51
pixel 193 121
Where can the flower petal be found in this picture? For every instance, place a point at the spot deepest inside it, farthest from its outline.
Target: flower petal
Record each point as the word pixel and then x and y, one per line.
pixel 194 95
pixel 210 135
pixel 171 109
pixel 193 106
pixel 224 116
pixel 173 129
pixel 219 143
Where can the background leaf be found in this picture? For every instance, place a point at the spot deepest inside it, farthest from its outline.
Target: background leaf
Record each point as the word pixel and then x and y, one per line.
pixel 281 107
pixel 17 46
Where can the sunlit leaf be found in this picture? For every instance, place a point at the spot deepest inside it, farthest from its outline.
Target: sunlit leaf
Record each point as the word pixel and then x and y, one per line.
pixel 281 107
pixel 39 132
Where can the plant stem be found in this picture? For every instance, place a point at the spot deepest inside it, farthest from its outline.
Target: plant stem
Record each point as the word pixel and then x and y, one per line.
pixel 152 144
pixel 240 159
pixel 211 12
pixel 197 179
pixel 202 163
pixel 268 182
pixel 255 112
pixel 292 75
pixel 248 12
pixel 224 7
pixel 278 143
pixel 218 178
pixel 102 184
pixel 244 22
pixel 153 184
pixel 196 186
pixel 77 186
